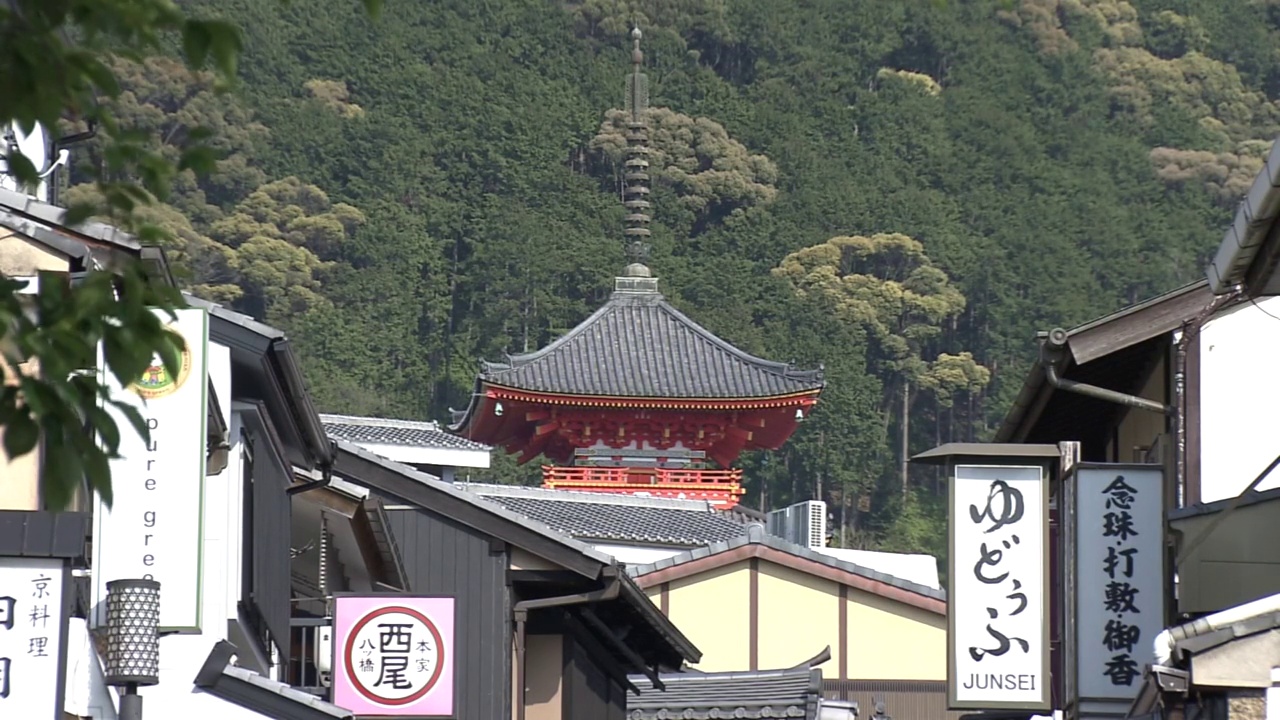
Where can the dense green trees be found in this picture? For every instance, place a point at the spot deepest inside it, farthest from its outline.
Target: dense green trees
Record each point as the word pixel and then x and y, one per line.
pixel 903 191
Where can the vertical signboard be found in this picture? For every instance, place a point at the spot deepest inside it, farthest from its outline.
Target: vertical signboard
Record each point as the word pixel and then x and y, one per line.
pixel 154 528
pixel 1119 578
pixel 33 629
pixel 394 655
pixel 997 588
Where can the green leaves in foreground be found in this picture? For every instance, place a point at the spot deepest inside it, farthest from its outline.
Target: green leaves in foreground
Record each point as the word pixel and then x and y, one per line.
pixel 54 68
pixel 48 340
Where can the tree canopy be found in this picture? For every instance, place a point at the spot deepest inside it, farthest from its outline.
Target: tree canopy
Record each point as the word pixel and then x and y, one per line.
pixel 932 182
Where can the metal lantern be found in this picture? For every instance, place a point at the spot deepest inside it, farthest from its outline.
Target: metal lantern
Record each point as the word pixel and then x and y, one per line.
pixel 133 641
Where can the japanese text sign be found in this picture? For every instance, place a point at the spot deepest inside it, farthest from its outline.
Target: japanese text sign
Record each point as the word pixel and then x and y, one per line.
pixel 1119 604
pixel 394 655
pixel 998 611
pixel 32 624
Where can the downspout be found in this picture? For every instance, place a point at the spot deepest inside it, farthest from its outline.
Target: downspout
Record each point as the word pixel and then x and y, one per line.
pixel 1053 352
pixel 1169 637
pixel 1189 331
pixel 67 141
pixel 521 612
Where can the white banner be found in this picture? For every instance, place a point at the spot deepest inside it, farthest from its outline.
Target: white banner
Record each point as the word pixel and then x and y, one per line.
pixel 998 610
pixel 1119 605
pixel 154 529
pixel 32 624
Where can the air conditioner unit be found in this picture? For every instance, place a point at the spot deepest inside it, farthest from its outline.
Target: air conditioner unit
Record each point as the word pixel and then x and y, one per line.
pixel 803 523
pixel 324 649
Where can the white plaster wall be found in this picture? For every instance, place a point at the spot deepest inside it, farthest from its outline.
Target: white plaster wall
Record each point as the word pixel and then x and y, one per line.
pixel 445 457
pixel 638 554
pixel 1239 399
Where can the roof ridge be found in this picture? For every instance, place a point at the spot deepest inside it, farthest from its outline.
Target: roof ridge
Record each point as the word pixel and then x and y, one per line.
pixel 595 498
pixel 733 674
pixel 438 485
pixel 368 421
pixel 20 205
pixel 756 535
pixel 787 370
pixel 515 361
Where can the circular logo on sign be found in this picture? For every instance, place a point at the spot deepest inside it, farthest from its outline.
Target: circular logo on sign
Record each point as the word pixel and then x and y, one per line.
pixel 394 656
pixel 156 382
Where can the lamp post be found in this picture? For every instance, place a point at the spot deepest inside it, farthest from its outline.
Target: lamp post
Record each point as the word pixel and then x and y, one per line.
pixel 133 641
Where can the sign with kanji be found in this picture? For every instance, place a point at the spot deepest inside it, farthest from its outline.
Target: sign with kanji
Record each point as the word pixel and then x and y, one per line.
pixel 394 655
pixel 1119 603
pixel 33 623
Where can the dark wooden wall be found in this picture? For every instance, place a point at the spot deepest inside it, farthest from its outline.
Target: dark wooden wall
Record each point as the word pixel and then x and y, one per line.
pixel 265 586
pixel 444 557
pixel 589 694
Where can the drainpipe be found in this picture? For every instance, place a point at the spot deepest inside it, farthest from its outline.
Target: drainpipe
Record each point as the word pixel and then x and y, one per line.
pixel 1053 352
pixel 521 612
pixel 1169 637
pixel 1189 331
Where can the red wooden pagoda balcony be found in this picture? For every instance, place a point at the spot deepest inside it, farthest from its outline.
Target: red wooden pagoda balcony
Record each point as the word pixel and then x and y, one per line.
pixel 720 487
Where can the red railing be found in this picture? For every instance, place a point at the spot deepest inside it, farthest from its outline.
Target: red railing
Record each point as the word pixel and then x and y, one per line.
pixel 719 486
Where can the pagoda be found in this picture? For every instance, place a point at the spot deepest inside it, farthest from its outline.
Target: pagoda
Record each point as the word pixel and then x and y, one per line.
pixel 638 398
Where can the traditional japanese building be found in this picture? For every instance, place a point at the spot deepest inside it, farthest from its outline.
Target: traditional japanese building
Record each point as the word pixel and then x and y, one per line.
pixel 639 398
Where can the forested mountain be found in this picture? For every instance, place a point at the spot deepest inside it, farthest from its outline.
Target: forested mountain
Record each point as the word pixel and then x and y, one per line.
pixel 902 190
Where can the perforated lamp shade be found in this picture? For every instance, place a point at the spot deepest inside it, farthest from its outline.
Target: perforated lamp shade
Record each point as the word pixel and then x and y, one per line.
pixel 133 643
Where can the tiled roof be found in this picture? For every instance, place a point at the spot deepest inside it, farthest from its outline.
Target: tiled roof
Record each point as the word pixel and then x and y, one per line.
pixel 410 433
pixel 222 678
pixel 54 215
pixel 436 486
pixel 639 346
pixel 759 695
pixel 756 535
pixel 597 516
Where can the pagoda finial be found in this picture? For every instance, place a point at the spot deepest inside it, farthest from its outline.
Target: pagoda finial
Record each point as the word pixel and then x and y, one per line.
pixel 636 174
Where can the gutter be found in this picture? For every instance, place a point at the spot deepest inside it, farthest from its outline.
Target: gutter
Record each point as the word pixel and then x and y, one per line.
pixel 521 612
pixel 1053 352
pixel 322 448
pixel 1166 642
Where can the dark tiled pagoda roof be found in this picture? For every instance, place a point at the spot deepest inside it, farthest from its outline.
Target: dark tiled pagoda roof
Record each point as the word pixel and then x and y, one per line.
pixel 621 518
pixel 639 346
pixel 382 431
pixel 758 695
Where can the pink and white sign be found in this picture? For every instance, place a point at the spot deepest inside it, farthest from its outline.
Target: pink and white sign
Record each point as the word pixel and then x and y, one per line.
pixel 393 655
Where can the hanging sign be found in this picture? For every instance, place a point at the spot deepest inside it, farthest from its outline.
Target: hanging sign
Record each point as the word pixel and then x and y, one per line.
pixel 153 529
pixel 394 655
pixel 33 621
pixel 998 600
pixel 1119 601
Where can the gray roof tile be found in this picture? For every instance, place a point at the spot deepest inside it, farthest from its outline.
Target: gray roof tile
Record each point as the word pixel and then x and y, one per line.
pixel 409 433
pixel 456 491
pixel 760 695
pixel 596 516
pixel 639 346
pixel 284 690
pixel 52 214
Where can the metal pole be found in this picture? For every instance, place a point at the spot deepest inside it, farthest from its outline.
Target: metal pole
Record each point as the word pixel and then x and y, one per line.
pixel 130 704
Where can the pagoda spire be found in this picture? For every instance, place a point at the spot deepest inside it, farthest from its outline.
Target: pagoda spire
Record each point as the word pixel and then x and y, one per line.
pixel 636 175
